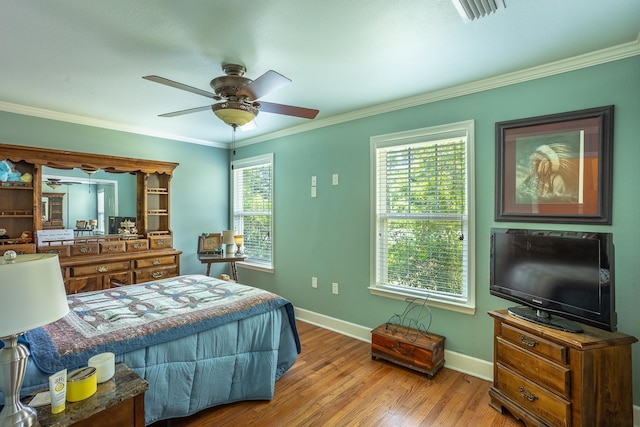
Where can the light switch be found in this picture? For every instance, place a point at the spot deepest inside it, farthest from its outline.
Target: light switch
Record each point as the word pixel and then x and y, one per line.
pixel 313 181
pixel 313 191
pixel 334 179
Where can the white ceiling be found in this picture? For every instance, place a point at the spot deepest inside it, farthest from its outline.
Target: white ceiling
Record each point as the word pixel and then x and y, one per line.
pixel 83 60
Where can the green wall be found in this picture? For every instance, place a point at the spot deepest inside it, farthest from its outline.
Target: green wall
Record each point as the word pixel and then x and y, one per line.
pixel 328 237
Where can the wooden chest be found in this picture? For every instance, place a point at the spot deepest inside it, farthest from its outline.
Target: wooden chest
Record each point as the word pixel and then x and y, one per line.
pixel 409 348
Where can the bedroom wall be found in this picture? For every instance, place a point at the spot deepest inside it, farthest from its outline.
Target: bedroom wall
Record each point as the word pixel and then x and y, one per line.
pixel 328 237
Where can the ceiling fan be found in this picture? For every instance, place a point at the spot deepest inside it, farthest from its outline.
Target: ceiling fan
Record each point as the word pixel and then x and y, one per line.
pixel 238 95
pixel 54 183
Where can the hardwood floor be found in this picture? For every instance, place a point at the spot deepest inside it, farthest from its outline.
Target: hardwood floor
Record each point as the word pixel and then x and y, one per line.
pixel 335 383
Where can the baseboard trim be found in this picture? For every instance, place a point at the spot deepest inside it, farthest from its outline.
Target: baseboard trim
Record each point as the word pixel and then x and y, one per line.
pixel 453 360
pixel 636 416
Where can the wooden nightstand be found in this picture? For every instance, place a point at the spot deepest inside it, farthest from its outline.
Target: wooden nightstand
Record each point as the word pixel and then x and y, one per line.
pixel 118 402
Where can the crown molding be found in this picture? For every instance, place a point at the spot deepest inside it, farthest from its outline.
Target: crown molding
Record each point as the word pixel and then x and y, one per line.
pixel 591 59
pixel 104 124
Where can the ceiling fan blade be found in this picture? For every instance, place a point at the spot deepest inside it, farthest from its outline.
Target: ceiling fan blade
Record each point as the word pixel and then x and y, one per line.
pixel 189 111
pixel 177 85
pixel 288 110
pixel 268 82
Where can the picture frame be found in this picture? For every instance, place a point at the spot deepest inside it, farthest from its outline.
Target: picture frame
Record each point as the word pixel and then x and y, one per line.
pixel 556 168
pixel 210 243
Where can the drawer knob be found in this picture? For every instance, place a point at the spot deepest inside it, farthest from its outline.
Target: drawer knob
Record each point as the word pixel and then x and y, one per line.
pixel 155 262
pixel 84 250
pixel 161 242
pixel 157 274
pixel 102 269
pixel 527 394
pixel 136 245
pixel 529 342
pixel 113 247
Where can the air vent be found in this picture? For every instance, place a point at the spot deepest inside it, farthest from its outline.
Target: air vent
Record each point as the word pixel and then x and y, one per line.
pixel 474 9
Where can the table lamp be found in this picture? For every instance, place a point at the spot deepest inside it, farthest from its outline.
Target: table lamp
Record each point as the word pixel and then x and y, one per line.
pixel 32 294
pixel 227 240
pixel 239 239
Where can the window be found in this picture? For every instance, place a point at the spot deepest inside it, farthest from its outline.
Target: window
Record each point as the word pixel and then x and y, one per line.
pixel 252 182
pixel 101 215
pixel 422 226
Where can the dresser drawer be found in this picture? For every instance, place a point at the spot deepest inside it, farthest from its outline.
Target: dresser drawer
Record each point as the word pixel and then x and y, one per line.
pixel 118 279
pixel 74 285
pixel 101 268
pixel 20 249
pixel 85 249
pixel 161 242
pixel 540 370
pixel 63 251
pixel 157 273
pixel 555 410
pixel 113 247
pixel 535 344
pixel 155 261
pixel 136 245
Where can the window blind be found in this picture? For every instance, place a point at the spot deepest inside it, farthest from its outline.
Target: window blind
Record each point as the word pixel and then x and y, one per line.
pixel 252 208
pixel 421 211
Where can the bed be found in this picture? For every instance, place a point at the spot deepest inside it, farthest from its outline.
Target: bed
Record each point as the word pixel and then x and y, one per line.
pixel 198 341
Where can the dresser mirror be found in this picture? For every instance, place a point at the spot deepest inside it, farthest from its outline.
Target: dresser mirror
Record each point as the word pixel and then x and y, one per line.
pixel 99 199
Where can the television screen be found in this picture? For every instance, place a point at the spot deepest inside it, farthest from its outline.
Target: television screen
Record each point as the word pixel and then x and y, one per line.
pixel 566 273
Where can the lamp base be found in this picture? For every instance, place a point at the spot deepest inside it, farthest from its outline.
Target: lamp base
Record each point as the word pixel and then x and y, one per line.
pixel 13 365
pixel 22 416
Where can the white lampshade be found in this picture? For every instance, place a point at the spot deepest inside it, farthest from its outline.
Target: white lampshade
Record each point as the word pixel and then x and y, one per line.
pixel 32 293
pixel 227 237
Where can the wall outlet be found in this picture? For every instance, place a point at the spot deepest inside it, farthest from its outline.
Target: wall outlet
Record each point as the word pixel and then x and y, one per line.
pixel 313 181
pixel 334 288
pixel 314 282
pixel 313 192
pixel 334 179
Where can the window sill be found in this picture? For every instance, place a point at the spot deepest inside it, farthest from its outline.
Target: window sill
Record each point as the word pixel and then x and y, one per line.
pixel 257 267
pixel 445 305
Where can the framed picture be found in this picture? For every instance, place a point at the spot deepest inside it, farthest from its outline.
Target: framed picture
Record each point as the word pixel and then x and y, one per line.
pixel 556 168
pixel 209 243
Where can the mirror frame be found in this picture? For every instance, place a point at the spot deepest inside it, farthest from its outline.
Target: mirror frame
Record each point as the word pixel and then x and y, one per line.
pixel 63 159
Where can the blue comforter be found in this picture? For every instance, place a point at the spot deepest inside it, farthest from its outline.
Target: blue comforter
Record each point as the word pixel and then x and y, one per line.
pixel 194 352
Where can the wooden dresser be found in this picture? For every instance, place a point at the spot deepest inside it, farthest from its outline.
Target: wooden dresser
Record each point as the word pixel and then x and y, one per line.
pixel 547 377
pixel 90 261
pixel 103 262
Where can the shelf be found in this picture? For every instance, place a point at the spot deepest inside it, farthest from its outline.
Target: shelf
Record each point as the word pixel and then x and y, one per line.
pixel 16 213
pixel 11 185
pixel 159 191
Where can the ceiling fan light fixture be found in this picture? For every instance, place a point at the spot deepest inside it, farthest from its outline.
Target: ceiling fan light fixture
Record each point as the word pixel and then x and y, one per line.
pixel 235 113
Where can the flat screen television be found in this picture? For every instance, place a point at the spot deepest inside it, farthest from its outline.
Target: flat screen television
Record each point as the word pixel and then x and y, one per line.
pixel 561 277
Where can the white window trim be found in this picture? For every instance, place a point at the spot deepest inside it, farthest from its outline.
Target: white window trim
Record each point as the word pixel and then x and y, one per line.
pixel 416 135
pixel 253 161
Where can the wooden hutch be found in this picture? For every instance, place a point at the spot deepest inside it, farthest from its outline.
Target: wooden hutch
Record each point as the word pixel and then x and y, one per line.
pixel 99 261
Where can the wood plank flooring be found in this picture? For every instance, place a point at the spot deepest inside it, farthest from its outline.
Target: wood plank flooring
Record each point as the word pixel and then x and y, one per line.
pixel 335 383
